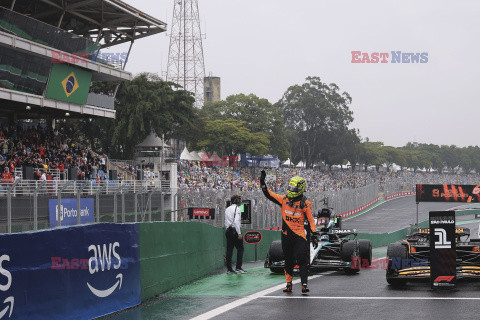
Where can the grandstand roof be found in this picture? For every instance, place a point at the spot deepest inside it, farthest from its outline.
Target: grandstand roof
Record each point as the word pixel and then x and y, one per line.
pixel 109 22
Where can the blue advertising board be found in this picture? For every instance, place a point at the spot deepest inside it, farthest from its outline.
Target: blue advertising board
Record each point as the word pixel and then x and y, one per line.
pixel 79 272
pixel 68 211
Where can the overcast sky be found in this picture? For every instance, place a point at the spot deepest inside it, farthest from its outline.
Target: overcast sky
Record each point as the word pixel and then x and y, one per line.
pixel 263 47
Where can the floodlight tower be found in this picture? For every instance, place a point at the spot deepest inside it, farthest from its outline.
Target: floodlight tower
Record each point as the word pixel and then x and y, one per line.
pixel 185 55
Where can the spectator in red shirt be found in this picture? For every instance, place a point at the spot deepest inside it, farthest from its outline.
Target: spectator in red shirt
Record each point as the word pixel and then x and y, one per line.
pixel 7 176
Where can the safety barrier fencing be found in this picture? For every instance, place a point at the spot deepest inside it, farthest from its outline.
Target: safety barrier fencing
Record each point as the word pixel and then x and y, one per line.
pixel 265 214
pixel 27 205
pixel 399 194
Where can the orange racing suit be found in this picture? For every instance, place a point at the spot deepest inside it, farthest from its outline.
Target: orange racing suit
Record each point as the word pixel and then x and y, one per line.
pixel 294 241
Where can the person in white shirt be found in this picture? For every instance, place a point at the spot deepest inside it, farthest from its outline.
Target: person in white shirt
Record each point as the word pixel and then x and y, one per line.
pixel 234 235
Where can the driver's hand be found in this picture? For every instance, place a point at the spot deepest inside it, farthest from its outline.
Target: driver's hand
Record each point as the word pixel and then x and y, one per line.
pixel 239 237
pixel 314 239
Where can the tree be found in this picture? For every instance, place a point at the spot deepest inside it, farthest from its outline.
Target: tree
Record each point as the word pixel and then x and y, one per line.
pixel 372 153
pixel 450 156
pixel 344 147
pixel 257 114
pixel 144 105
pixel 315 110
pixel 230 137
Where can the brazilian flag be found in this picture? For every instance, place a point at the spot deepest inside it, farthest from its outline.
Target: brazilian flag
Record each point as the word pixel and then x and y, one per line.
pixel 68 83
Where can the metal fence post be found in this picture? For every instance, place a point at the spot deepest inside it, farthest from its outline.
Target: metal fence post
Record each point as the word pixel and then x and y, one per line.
pixel 149 202
pixel 123 207
pixel 35 204
pixel 135 204
pixel 79 193
pixel 9 206
pixel 97 200
pixel 162 206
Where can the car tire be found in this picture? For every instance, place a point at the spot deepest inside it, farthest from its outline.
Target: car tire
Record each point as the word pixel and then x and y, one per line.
pixel 348 250
pixel 365 248
pixel 395 250
pixel 277 270
pixel 276 252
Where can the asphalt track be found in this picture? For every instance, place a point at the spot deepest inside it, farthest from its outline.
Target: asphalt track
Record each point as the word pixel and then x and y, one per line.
pixel 396 214
pixel 363 296
pixel 333 295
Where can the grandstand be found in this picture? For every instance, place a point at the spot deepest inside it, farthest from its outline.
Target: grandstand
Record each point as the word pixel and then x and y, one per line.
pixel 36 34
pixel 51 51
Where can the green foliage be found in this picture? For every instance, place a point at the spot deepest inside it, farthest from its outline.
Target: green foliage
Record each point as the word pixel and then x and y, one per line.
pixel 258 118
pixel 319 115
pixel 147 104
pixel 230 137
pixel 144 105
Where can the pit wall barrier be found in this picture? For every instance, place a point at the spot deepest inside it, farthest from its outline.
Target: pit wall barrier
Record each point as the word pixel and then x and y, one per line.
pixel 175 253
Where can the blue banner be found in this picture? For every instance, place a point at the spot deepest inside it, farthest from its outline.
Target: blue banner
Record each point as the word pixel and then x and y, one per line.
pixel 79 272
pixel 68 211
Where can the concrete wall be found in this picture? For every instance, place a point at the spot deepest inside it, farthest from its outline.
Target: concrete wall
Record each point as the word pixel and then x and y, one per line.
pixel 175 253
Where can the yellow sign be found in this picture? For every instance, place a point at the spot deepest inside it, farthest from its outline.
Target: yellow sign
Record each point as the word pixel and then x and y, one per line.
pixel 427 230
pixel 70 84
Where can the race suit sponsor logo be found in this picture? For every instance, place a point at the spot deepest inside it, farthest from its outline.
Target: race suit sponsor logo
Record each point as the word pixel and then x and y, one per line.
pixel 292 219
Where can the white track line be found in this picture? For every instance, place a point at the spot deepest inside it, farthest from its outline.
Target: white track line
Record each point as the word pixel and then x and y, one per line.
pixel 229 306
pixel 371 298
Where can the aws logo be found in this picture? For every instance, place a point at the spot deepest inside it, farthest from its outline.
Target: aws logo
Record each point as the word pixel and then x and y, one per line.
pixel 4 287
pixel 101 261
pixel 70 84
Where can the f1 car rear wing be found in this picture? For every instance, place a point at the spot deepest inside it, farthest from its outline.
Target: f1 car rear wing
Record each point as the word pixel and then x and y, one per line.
pixel 426 231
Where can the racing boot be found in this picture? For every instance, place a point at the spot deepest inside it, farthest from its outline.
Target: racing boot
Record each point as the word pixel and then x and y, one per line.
pixel 305 288
pixel 288 288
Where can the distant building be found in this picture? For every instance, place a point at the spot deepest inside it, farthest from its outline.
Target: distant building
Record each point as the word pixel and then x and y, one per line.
pixel 211 89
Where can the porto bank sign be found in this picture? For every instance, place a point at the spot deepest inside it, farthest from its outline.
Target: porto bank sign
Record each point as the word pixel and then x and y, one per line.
pixel 397 57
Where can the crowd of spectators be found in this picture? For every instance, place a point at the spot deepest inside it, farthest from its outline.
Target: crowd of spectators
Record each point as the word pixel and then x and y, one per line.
pixel 193 176
pixel 46 151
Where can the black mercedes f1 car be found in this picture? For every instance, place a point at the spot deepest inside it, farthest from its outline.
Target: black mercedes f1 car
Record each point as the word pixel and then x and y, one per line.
pixel 338 249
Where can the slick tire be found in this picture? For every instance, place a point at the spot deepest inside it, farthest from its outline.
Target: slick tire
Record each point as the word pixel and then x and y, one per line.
pixel 349 250
pixel 395 251
pixel 277 270
pixel 276 252
pixel 365 248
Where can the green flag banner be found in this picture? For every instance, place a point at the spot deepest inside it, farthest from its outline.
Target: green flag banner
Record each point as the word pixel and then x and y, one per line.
pixel 68 83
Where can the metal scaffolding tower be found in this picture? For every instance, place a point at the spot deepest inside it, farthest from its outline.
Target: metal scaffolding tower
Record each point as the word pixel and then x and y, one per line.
pixel 185 55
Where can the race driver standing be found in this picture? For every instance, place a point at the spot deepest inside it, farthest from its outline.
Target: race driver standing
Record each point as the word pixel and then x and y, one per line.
pixel 295 209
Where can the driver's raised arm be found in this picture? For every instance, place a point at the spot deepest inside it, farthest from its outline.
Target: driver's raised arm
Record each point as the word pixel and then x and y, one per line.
pixel 272 196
